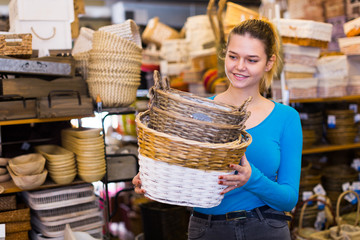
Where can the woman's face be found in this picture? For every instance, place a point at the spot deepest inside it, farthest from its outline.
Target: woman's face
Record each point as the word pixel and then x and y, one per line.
pixel 246 62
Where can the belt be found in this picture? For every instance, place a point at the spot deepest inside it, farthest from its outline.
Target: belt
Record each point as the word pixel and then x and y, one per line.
pixel 243 214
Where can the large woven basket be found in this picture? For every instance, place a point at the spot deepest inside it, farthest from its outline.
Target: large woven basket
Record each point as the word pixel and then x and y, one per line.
pixel 111 42
pixel 127 30
pixel 176 185
pixel 191 106
pixel 114 94
pixel 193 129
pixel 188 153
pixel 157 32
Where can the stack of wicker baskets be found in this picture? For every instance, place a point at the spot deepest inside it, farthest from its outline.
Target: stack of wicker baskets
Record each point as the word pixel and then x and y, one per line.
pixel 183 138
pixel 115 61
pixel 344 130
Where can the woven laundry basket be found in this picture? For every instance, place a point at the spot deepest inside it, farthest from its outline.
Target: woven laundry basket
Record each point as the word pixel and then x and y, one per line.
pixel 192 106
pixel 114 93
pixel 305 32
pixel 176 185
pixel 156 32
pixel 103 69
pixel 193 129
pixel 127 30
pixel 111 42
pixel 188 153
pixel 83 42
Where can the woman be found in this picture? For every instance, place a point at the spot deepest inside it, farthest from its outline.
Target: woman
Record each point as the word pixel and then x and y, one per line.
pixel 266 182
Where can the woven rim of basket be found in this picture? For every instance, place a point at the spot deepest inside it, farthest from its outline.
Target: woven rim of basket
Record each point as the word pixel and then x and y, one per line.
pixel 230 145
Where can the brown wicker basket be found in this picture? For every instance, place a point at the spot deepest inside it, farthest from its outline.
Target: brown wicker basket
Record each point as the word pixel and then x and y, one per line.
pixel 193 129
pixel 22 48
pixel 8 202
pixel 191 106
pixel 188 153
pixel 18 215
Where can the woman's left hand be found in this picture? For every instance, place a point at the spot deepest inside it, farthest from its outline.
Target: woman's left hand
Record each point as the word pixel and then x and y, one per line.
pixel 236 180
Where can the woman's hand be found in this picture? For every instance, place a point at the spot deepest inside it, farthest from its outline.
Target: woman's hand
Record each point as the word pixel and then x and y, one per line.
pixel 239 179
pixel 137 184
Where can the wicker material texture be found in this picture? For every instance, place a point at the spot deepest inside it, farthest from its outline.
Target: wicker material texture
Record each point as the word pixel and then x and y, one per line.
pixel 18 215
pixel 8 202
pixel 191 106
pixel 187 153
pixel 115 64
pixel 9 46
pixel 157 32
pixel 193 129
pixel 183 187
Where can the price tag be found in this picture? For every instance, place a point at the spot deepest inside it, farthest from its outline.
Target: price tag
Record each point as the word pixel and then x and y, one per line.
pixel 304 116
pixel 357 117
pixel 356 164
pixel 353 107
pixel 306 195
pixel 331 121
pixel 2 231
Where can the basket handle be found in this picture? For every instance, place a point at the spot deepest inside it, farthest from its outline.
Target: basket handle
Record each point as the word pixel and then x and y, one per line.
pixel 245 104
pixel 338 218
pixel 13 97
pixel 161 83
pixel 313 198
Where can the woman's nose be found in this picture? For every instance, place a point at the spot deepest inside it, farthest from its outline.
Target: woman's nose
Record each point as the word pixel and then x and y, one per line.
pixel 240 65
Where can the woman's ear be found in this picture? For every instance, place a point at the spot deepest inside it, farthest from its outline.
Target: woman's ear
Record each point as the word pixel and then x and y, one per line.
pixel 270 63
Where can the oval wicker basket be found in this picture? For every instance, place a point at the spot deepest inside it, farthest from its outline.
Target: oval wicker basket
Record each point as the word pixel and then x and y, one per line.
pixel 182 186
pixel 188 153
pixel 193 129
pixel 191 106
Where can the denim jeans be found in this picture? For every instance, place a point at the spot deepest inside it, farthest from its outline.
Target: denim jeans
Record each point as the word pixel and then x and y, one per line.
pixel 243 229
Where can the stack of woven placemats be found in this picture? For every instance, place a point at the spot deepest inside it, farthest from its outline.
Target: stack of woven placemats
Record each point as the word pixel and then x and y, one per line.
pixel 115 64
pixel 183 138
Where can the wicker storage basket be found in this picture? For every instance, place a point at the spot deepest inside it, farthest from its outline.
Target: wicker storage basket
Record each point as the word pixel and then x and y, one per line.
pixel 127 30
pixel 112 42
pixel 59 197
pixel 23 235
pixel 181 187
pixel 7 202
pixel 114 94
pixel 191 106
pixel 193 129
pixel 157 32
pixel 305 32
pixel 236 13
pixel 83 42
pixel 19 215
pixel 79 223
pixel 188 153
pixel 350 45
pixel 11 46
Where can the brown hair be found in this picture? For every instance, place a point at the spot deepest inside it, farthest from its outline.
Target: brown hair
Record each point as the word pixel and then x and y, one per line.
pixel 266 32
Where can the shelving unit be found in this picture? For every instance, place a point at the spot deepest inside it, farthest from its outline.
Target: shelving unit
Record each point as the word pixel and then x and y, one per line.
pixel 9 186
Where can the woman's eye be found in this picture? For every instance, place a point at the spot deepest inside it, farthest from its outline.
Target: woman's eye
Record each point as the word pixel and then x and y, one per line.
pixel 232 57
pixel 253 61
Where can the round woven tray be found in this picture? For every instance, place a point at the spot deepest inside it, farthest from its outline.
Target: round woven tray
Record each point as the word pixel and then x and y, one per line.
pixel 113 94
pixel 191 106
pixel 188 153
pixel 176 185
pixel 193 129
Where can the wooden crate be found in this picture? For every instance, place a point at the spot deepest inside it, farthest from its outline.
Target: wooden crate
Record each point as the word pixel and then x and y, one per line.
pixel 17 107
pixel 19 45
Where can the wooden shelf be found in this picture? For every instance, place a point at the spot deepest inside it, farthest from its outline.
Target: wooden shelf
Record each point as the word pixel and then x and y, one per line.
pixel 40 120
pixel 330 148
pixel 10 187
pixel 332 99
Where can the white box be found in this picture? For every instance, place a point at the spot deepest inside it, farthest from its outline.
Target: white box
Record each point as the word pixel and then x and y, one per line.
pixel 49 22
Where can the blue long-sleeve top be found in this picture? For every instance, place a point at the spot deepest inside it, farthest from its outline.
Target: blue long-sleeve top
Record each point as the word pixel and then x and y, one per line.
pixel 275 159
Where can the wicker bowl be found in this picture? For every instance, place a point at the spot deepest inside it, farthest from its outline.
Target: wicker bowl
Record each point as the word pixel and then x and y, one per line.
pixel 64 178
pixel 83 132
pixel 28 164
pixel 91 177
pixel 29 181
pixel 188 153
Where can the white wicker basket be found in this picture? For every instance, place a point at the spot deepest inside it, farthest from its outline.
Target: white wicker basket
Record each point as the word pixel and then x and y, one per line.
pixel 96 233
pixel 59 197
pixel 127 30
pixel 178 185
pixel 79 223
